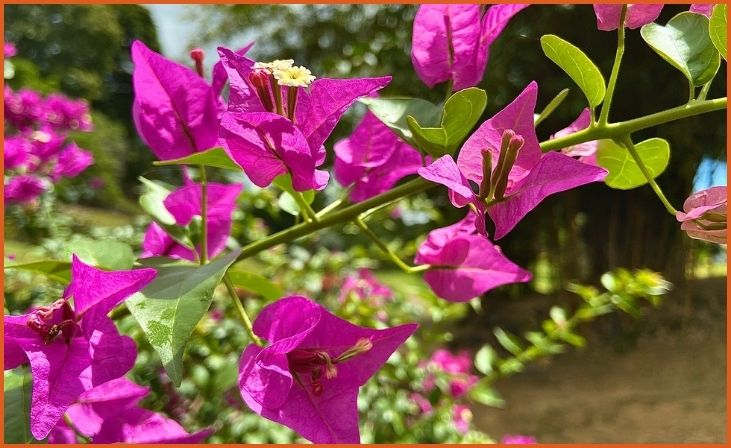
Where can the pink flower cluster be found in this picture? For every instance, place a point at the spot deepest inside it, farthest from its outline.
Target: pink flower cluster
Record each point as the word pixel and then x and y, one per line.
pixel 37 153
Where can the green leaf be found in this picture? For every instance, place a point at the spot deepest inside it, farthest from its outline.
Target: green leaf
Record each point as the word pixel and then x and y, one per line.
pixel 152 202
pixel 486 395
pixel 507 340
pixel 558 315
pixel 17 407
pixel 393 112
pixel 59 271
pixel 169 308
pixel 286 200
pixel 717 29
pixel 255 283
pixel 624 174
pixel 686 44
pixel 214 157
pixel 461 112
pixel 551 106
pixel 484 359
pixel 107 254
pixel 577 65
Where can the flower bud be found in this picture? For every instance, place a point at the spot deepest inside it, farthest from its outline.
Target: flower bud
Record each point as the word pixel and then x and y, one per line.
pixel 197 55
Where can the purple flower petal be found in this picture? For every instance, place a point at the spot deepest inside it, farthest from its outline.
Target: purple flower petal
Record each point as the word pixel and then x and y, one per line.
pixel 267 145
pixel 241 95
pixel 444 171
pixel 174 110
pixel 71 162
pixel 320 107
pixel 296 326
pixel 516 116
pixel 712 200
pixel 24 188
pixel 445 43
pixel 608 15
pixel 554 173
pixel 702 8
pixel 403 162
pixel 466 267
pixel 579 149
pixel 219 75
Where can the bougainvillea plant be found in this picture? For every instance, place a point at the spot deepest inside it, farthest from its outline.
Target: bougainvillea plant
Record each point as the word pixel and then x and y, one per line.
pixel 304 365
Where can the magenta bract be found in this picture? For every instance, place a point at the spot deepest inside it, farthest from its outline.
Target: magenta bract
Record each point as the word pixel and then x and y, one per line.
pixel 451 42
pixel 465 265
pixel 174 110
pixel 607 15
pixel 185 203
pixel 24 188
pixel 704 215
pixel 72 350
pixel 72 160
pixel 373 159
pixel 307 378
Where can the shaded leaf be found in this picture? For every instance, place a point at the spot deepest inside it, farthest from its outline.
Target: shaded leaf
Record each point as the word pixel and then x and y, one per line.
pixel 508 341
pixel 214 157
pixel 484 359
pixel 286 200
pixel 256 284
pixel 59 271
pixel 461 112
pixel 624 174
pixel 577 65
pixel 17 407
pixel 686 44
pixel 393 112
pixel 487 395
pixel 718 31
pixel 107 254
pixel 169 308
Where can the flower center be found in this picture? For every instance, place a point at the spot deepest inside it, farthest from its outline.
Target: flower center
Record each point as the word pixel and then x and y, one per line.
pixel 45 320
pixel 318 363
pixel 495 181
pixel 269 78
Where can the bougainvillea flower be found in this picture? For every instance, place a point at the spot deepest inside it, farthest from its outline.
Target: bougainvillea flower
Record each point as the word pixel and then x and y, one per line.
pixel 73 349
pixel 422 402
pixel 461 417
pixel 16 152
pixel 25 188
pixel 704 215
pixel 521 175
pixel 373 159
pixel 46 143
pixel 363 286
pixel 608 15
pixel 109 414
pixel 444 171
pixel 464 264
pixel 9 50
pixel 586 152
pixel 452 42
pixel 23 108
pixel 218 73
pixel 175 110
pixel 185 203
pixel 66 113
pixel 457 366
pixel 308 377
pixel 518 439
pixel 71 162
pixel 702 8
pixel 252 135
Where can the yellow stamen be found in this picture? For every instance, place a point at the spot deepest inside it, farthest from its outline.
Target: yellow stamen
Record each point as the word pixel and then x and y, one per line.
pixel 296 76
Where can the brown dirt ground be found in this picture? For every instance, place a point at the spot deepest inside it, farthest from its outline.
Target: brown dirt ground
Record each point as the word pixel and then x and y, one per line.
pixel 670 387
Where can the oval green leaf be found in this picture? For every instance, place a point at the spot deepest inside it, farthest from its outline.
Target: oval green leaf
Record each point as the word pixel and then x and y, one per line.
pixel 255 283
pixel 214 157
pixel 169 308
pixel 624 174
pixel 577 65
pixel 461 112
pixel 686 44
pixel 57 270
pixel 17 397
pixel 393 112
pixel 718 31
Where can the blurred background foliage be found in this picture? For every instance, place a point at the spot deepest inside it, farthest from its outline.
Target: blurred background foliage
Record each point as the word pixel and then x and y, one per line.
pixel 83 51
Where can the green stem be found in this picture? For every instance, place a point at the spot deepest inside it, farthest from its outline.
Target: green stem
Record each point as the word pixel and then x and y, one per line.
pixel 617 130
pixel 691 92
pixel 551 106
pixel 604 115
pixel 305 208
pixel 242 311
pixel 704 91
pixel 330 207
pixel 627 143
pixel 204 216
pixel 395 258
pixel 608 131
pixel 342 216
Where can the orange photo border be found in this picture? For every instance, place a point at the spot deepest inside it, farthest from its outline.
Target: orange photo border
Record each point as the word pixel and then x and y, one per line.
pixel 115 2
